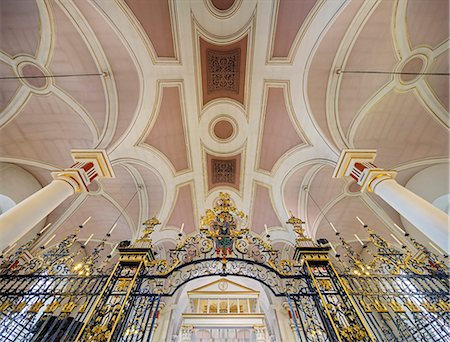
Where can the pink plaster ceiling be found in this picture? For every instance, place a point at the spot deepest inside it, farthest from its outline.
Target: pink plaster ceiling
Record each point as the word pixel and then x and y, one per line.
pixel 262 211
pixel 321 65
pixel 323 189
pixel 19 27
pixel 404 176
pixel 223 129
pixel 43 176
pixel 124 190
pixel 45 130
pixel 343 216
pixel 103 215
pixel 35 76
pixel 154 16
pixel 223 70
pixel 439 84
pixel 291 16
pixel 154 188
pixel 8 87
pixel 123 67
pixel 424 20
pixel 374 40
pixel 277 124
pixel 167 134
pixel 223 5
pixel 292 189
pixel 71 55
pixel 394 123
pixel 183 210
pixel 413 66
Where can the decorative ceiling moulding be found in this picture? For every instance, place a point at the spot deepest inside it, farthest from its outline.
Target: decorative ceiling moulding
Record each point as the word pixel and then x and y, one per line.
pixel 157 178
pixel 104 212
pixel 167 131
pixel 223 9
pixel 184 210
pixel 13 92
pixel 33 76
pixel 129 193
pixel 223 129
pixel 223 69
pixel 278 119
pixel 223 171
pixel 151 196
pixel 319 191
pixel 421 60
pixel 113 33
pixel 105 113
pixel 20 27
pixel 405 112
pixel 49 144
pixel 290 21
pixel 438 85
pixel 224 110
pixel 297 178
pixel 223 65
pixel 319 67
pixel 263 209
pixel 25 66
pixel 351 51
pixel 156 22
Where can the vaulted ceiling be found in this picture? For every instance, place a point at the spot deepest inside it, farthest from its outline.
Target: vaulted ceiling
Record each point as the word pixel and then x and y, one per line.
pixel 256 98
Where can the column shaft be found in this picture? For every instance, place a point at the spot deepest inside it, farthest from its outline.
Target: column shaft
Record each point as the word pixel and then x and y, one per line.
pixel 433 222
pixel 25 215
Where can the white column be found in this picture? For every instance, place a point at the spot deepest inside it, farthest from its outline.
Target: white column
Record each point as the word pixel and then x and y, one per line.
pixel 89 164
pixel 25 215
pixel 431 221
pixel 260 332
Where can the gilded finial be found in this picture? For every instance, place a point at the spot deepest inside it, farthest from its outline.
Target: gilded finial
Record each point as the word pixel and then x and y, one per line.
pixel 150 225
pixel 297 228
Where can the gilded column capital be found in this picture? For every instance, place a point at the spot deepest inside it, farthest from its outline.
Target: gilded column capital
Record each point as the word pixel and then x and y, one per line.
pixel 358 164
pixel 89 165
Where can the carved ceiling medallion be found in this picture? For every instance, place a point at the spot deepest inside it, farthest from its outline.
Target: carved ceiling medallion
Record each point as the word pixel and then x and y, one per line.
pixel 223 70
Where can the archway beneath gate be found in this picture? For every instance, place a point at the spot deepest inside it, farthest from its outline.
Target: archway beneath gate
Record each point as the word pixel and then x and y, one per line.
pixel 219 309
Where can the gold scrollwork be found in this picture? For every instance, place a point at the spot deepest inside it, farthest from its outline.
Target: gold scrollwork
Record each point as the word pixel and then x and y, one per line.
pixel 100 333
pixel 444 305
pixel 430 307
pixel 52 307
pixel 396 306
pixel 83 307
pixel 412 306
pixel 5 305
pixel 19 306
pixel 123 284
pixel 325 284
pixel 353 332
pixel 162 267
pixel 68 307
pixel 379 306
pixel 36 307
pixel 366 306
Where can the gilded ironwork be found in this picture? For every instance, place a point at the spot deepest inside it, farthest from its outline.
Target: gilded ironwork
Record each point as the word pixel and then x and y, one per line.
pixel 57 294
